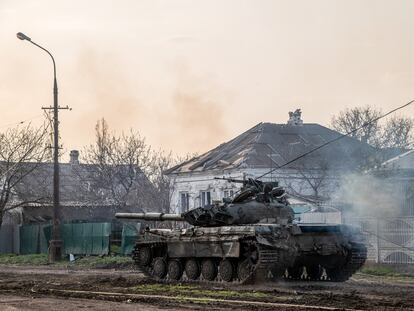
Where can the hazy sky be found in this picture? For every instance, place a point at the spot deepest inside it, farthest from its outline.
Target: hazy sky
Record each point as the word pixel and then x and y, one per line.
pixel 192 74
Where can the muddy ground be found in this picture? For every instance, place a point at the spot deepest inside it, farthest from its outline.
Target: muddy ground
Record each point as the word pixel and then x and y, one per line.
pixel 42 288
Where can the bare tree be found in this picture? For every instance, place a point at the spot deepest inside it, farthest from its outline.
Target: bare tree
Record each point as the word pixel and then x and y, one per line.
pixel 351 119
pixel 22 150
pixel 125 171
pixel 397 132
pixel 163 184
pixel 117 167
pixel 314 175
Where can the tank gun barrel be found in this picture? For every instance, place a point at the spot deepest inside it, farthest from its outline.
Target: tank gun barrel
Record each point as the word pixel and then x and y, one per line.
pixel 239 181
pixel 150 216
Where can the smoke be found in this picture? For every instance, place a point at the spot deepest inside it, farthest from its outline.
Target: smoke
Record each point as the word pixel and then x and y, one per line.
pixel 197 113
pixel 368 195
pixel 188 117
pixel 105 90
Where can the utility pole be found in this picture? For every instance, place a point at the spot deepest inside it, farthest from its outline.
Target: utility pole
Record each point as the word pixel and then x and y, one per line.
pixel 55 246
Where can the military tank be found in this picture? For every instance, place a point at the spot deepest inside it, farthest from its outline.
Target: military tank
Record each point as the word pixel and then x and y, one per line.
pixel 248 239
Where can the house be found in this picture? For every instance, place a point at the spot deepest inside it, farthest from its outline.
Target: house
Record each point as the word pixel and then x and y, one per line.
pixel 86 196
pixel 268 148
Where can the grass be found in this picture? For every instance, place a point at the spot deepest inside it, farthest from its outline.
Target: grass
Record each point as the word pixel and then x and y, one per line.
pixel 386 270
pixel 379 271
pixel 196 291
pixel 32 259
pixel 84 262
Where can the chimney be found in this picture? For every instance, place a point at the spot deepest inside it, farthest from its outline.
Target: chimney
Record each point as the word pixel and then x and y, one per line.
pixel 295 117
pixel 74 157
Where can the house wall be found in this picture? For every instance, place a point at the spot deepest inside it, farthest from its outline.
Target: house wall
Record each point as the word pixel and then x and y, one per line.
pixel 403 194
pixel 196 182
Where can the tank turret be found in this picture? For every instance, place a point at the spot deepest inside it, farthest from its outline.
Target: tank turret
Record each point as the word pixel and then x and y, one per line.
pixel 257 202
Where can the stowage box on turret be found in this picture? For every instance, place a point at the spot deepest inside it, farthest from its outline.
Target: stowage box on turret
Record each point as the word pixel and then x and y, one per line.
pixel 251 238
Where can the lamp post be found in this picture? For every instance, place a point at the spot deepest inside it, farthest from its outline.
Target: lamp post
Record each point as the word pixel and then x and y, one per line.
pixel 55 247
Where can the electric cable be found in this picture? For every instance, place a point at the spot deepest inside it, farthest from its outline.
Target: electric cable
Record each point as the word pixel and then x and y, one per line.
pixel 337 138
pixel 21 122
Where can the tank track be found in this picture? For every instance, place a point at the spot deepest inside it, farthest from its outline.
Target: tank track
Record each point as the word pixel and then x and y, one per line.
pixel 339 270
pixel 267 266
pixel 355 260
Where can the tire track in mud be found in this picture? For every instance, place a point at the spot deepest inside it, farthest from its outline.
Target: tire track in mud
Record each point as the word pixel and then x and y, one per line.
pixel 367 293
pixel 148 297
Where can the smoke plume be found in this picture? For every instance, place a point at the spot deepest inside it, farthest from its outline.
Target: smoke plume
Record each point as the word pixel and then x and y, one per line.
pixel 187 118
pixel 368 195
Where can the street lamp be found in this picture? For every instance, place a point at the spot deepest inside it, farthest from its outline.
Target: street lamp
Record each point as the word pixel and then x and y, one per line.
pixel 55 247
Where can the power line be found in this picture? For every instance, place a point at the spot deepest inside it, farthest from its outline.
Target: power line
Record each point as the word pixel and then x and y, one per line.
pixel 21 122
pixel 337 138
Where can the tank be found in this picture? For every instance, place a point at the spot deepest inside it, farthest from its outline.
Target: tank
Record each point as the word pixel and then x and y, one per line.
pixel 248 239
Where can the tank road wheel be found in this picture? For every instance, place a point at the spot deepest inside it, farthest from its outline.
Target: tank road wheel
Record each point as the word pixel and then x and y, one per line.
pixel 295 272
pixel 192 269
pixel 209 269
pixel 314 272
pixel 175 269
pixel 144 256
pixel 244 270
pixel 159 268
pixel 226 270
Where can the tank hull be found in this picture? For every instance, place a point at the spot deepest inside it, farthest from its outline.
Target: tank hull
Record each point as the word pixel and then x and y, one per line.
pixel 251 253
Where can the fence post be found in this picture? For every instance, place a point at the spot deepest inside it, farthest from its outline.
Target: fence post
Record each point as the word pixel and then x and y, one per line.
pixel 378 242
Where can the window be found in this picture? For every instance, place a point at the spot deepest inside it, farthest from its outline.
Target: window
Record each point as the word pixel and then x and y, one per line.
pixel 184 202
pixel 228 193
pixel 205 197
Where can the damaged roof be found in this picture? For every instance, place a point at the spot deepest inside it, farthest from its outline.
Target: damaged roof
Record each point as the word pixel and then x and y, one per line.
pixel 269 145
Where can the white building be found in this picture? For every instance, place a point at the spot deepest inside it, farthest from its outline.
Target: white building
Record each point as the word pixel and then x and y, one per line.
pixel 264 148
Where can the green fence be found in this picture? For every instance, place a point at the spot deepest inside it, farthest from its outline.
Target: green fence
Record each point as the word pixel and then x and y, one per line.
pixel 86 238
pixel 34 239
pixel 130 232
pixel 78 238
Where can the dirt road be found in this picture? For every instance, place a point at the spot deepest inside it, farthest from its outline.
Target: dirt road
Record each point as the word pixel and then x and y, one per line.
pixel 22 303
pixel 34 288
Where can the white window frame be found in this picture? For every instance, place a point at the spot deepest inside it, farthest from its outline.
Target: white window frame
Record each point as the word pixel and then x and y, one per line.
pixel 205 198
pixel 181 206
pixel 228 193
